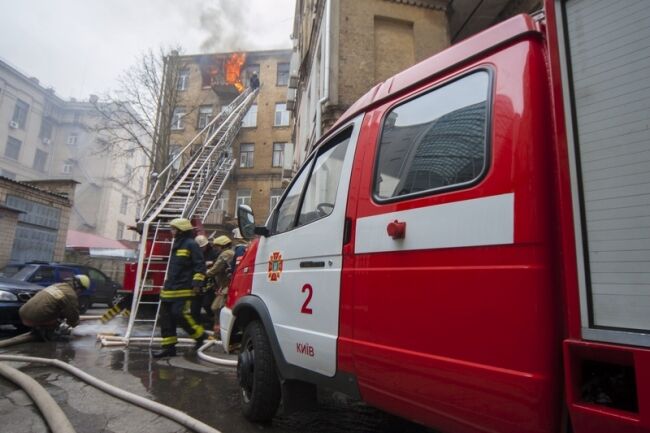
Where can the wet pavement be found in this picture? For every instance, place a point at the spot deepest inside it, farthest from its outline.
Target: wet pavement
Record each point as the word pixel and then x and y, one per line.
pixel 203 390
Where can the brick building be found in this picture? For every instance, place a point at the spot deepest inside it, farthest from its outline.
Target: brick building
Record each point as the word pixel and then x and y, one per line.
pixel 342 48
pixel 34 219
pixel 263 143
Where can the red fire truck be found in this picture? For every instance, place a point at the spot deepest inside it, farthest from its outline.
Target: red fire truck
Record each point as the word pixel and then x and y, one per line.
pixel 469 246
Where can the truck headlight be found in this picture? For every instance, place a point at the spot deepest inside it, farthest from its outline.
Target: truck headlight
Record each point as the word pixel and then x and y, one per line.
pixel 7 296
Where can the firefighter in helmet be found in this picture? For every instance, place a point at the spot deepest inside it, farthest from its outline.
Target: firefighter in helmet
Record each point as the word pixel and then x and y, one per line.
pixel 204 299
pixel 46 310
pixel 221 271
pixel 185 277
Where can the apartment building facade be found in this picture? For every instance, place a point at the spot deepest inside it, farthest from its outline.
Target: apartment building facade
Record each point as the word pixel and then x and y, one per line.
pixel 43 136
pixel 343 48
pixel 262 146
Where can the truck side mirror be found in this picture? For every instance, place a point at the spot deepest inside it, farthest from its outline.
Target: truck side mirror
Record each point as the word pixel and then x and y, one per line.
pixel 246 222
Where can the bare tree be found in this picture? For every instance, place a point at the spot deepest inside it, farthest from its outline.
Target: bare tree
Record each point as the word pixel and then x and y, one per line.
pixel 138 114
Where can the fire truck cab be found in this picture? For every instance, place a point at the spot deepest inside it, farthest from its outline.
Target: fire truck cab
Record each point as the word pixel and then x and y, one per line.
pixel 468 246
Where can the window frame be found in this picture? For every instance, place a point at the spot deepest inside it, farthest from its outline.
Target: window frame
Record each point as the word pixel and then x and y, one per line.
pixel 180 113
pixel 275 115
pixel 281 152
pixel 487 133
pixel 201 115
pixel 250 155
pixel 40 160
pixel 183 80
pixel 254 125
pixel 19 116
pixel 14 141
pixel 277 74
pixel 344 133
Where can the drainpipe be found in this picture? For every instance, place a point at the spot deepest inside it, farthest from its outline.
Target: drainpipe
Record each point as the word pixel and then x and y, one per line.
pixel 325 61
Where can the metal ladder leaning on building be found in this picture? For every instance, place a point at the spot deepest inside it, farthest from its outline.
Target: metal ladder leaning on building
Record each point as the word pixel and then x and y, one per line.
pixel 191 193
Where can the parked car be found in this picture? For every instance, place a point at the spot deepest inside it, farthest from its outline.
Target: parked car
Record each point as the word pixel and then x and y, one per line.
pixel 102 288
pixel 13 294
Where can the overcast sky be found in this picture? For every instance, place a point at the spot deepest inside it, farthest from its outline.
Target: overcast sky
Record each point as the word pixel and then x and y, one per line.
pixel 80 47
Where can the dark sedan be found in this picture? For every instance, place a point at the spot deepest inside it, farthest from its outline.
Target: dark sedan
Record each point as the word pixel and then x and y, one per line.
pixel 13 294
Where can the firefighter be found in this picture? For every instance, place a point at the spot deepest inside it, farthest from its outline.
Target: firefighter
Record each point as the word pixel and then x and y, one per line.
pixel 204 299
pixel 185 277
pixel 254 81
pixel 221 272
pixel 46 310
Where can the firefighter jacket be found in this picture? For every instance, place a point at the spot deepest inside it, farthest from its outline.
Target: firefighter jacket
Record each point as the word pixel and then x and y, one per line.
pixel 210 255
pixel 186 269
pixel 58 301
pixel 221 270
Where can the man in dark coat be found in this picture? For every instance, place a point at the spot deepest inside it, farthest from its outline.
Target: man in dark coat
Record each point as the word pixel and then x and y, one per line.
pixel 185 277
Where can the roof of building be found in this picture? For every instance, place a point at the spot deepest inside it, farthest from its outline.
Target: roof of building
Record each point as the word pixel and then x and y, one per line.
pixel 27 185
pixel 78 239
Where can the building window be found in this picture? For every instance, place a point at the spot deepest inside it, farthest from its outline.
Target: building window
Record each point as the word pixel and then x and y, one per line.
pixel 72 138
pixel 435 141
pixel 250 119
pixel 281 114
pixel 120 230
pixel 205 114
pixel 45 133
pixel 124 203
pixel 223 201
pixel 249 72
pixel 243 197
pixel 274 198
pixel 177 118
pixel 278 154
pixel 40 159
pixel 67 166
pixel 246 153
pixel 20 113
pixel 183 79
pixel 283 74
pixel 13 148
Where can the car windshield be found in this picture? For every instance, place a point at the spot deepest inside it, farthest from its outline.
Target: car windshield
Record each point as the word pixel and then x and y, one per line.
pixel 25 272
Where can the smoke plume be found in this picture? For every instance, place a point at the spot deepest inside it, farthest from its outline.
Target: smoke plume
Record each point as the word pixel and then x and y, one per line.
pixel 226 24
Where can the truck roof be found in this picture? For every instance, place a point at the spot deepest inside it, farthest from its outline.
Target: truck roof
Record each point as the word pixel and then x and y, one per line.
pixel 441 62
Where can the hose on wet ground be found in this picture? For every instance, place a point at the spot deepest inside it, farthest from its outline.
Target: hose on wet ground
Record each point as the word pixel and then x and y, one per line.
pixel 212 359
pixel 54 416
pixel 22 338
pixel 166 411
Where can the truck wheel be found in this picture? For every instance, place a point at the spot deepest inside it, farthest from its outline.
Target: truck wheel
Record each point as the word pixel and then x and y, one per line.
pixel 258 379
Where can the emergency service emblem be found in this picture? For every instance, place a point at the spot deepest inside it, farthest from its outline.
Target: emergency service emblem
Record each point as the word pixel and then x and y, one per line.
pixel 275 266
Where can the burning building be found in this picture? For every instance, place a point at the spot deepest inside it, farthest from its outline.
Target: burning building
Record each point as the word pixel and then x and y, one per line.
pixel 209 82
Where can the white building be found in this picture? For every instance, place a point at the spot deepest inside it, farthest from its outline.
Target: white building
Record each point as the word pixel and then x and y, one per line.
pixel 45 137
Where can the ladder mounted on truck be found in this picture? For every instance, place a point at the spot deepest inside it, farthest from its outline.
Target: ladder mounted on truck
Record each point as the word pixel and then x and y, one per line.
pixel 191 193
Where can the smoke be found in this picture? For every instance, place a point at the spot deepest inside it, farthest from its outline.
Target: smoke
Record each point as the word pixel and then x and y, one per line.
pixel 227 26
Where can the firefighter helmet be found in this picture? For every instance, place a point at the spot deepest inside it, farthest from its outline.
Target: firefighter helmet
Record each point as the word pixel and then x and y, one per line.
pixel 222 241
pixel 83 280
pixel 182 224
pixel 201 240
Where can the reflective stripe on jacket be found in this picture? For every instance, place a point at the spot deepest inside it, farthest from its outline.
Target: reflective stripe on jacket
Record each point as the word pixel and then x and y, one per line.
pixel 186 268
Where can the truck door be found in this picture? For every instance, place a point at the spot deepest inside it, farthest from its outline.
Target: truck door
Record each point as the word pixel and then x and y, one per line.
pixel 298 266
pixel 449 282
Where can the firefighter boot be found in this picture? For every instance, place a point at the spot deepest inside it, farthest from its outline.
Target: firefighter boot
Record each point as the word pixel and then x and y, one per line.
pixel 165 352
pixel 200 341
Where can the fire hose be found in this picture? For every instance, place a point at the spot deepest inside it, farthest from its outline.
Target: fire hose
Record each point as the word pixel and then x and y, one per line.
pixel 54 416
pixel 166 411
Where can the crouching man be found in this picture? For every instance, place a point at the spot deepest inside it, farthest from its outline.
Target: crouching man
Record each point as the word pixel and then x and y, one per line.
pixel 45 311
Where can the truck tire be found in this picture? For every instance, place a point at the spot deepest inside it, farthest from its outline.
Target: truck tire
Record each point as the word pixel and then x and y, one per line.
pixel 257 375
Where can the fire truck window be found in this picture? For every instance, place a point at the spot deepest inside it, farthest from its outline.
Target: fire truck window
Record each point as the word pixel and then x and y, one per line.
pixel 320 196
pixel 435 141
pixel 286 214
